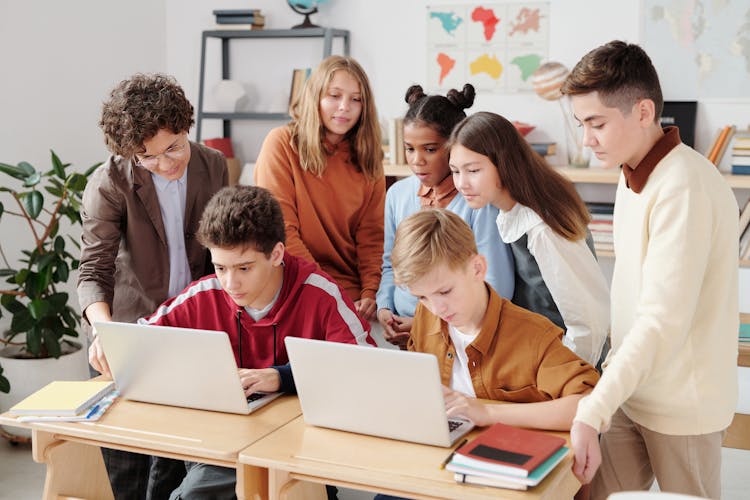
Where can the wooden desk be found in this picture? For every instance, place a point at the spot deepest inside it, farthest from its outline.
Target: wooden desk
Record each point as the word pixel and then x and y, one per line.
pixel 71 450
pixel 298 452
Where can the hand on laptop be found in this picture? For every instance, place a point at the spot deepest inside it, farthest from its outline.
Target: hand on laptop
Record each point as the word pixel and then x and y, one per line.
pixel 458 404
pixel 263 380
pixel 97 359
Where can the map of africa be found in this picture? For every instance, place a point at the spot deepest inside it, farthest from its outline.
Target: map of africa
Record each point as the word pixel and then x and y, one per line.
pixel 494 46
pixel 708 41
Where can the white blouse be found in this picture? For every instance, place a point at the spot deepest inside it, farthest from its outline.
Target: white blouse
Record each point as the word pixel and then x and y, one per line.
pixel 572 275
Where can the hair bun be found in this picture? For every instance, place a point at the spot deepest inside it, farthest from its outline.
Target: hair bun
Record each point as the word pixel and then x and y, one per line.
pixel 463 99
pixel 414 93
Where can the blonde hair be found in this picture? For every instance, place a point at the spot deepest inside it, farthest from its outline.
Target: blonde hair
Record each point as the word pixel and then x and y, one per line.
pixel 308 131
pixel 430 238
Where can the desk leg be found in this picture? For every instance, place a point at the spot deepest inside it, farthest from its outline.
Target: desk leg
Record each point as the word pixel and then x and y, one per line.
pixel 252 482
pixel 74 470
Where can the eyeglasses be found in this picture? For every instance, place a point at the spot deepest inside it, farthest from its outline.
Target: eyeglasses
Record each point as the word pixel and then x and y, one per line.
pixel 174 152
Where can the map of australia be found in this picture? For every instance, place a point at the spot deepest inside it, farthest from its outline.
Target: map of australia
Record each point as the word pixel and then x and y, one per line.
pixel 486 64
pixel 488 19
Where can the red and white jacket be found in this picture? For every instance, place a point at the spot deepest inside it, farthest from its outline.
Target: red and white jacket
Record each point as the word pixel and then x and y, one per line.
pixel 309 305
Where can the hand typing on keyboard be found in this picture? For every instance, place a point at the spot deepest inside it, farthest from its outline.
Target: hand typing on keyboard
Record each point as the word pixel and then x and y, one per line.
pixel 458 404
pixel 263 380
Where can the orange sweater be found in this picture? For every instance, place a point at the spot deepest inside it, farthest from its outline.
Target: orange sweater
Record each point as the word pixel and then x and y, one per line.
pixel 335 220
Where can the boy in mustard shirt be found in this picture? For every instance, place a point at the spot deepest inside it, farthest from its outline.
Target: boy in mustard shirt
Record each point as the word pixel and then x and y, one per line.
pixel 486 346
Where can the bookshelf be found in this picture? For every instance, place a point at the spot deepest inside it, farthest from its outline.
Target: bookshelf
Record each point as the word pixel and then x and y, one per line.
pixel 326 34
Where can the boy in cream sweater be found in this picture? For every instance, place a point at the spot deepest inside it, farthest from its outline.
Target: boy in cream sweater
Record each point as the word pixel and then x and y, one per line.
pixel 669 386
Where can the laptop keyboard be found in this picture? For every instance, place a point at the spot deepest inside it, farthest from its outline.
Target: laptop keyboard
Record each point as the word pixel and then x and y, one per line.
pixel 254 397
pixel 454 424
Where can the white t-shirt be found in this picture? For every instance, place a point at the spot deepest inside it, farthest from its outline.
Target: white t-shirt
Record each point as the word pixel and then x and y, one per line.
pixel 461 378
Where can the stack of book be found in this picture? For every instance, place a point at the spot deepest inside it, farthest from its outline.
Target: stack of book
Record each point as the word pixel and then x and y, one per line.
pixel 397 154
pixel 744 333
pixel 240 19
pixel 601 226
pixel 744 224
pixel 507 457
pixel 741 154
pixel 299 77
pixel 68 401
pixel 719 145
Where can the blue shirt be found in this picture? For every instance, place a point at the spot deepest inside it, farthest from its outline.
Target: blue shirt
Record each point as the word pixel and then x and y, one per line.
pixel 172 196
pixel 401 200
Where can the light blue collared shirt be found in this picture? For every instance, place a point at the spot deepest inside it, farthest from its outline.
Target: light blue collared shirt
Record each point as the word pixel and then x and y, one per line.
pixel 172 196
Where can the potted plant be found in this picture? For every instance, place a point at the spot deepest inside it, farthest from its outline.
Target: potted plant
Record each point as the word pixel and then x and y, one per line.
pixel 43 323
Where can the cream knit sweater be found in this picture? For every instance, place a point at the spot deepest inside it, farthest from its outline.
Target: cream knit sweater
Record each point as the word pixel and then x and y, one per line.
pixel 673 364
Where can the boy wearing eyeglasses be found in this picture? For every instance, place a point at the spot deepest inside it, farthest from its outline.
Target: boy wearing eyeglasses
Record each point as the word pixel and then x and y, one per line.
pixel 140 212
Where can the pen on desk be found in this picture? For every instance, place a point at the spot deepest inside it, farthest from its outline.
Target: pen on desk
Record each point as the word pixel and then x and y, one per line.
pixel 450 456
pixel 93 411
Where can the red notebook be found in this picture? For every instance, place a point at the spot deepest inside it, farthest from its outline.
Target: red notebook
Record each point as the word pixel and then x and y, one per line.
pixel 508 450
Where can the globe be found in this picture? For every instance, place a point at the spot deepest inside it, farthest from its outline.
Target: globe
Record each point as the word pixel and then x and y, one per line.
pixel 306 8
pixel 547 80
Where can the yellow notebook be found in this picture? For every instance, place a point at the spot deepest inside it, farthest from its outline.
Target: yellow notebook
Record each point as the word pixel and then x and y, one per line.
pixel 63 398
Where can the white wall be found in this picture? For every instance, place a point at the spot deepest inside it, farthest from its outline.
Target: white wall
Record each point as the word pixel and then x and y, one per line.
pixel 58 61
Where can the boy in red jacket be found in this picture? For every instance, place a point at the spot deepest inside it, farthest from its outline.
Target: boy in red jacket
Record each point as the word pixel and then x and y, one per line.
pixel 259 295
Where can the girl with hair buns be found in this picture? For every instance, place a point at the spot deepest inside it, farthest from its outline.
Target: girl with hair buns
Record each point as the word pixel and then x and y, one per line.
pixel 544 220
pixel 427 126
pixel 326 169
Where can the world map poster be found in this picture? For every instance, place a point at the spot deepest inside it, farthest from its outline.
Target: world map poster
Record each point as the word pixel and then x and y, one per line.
pixel 495 46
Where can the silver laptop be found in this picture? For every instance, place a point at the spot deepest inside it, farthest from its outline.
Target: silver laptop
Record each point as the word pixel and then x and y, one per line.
pixel 177 367
pixel 381 392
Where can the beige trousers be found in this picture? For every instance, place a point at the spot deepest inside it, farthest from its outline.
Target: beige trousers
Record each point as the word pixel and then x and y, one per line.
pixel 632 456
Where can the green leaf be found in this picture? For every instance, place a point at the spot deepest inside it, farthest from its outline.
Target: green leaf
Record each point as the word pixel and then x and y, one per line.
pixel 32 180
pixel 59 245
pixel 44 261
pixel 22 321
pixel 38 308
pixel 27 168
pixel 35 285
pixel 14 172
pixel 12 304
pixel 57 166
pixel 62 272
pixel 34 340
pixel 54 191
pixel 2 209
pixel 21 276
pixel 52 342
pixel 7 272
pixel 4 384
pixel 57 301
pixel 33 203
pixel 77 182
pixel 54 229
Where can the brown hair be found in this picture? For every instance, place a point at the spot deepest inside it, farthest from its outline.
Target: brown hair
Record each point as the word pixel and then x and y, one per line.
pixel 621 73
pixel 139 107
pixel 527 176
pixel 242 216
pixel 429 238
pixel 308 132
pixel 440 113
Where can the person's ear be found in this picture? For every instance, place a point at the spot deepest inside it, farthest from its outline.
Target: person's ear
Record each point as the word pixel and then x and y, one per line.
pixel 478 267
pixel 646 110
pixel 277 254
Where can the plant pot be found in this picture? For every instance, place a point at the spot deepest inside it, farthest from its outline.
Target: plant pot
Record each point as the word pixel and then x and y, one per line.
pixel 29 375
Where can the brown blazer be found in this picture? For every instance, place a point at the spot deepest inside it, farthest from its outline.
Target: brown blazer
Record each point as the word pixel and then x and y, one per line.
pixel 518 355
pixel 124 255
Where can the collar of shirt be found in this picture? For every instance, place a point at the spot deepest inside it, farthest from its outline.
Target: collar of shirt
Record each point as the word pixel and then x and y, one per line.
pixel 516 222
pixel 162 184
pixel 636 177
pixel 438 196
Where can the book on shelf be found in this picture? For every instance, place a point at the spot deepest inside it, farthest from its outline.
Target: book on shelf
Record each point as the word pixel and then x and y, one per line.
pixel 744 335
pixel 471 475
pixel 396 141
pixel 508 450
pixel 63 398
pixel 238 20
pixel 223 144
pixel 740 169
pixel 299 77
pixel 544 148
pixel 600 208
pixel 236 12
pixel 720 144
